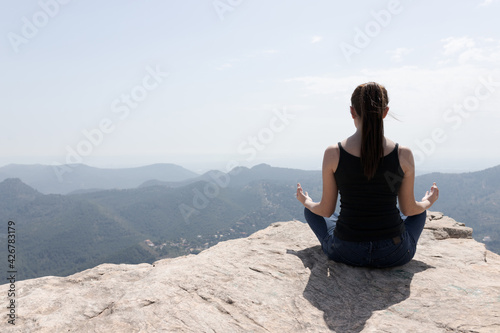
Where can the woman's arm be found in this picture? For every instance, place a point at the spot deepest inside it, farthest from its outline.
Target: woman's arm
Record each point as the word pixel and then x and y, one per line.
pixel 326 206
pixel 406 197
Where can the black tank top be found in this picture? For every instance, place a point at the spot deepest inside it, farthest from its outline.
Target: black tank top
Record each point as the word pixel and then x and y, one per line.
pixel 368 208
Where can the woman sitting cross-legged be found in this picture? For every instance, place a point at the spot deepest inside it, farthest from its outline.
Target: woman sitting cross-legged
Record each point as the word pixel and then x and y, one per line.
pixel 372 174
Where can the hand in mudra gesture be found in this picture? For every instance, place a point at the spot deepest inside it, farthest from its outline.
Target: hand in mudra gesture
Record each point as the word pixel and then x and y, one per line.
pixel 432 195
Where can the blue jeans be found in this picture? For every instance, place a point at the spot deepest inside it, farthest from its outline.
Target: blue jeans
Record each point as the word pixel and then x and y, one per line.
pixel 380 254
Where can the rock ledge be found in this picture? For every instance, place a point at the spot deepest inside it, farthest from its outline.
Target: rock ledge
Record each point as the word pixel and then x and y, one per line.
pixel 276 280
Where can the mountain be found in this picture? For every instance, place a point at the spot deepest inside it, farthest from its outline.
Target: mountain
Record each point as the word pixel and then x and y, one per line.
pixel 59 235
pixel 473 197
pixel 13 190
pixel 64 179
pixel 276 280
pixel 63 234
pixel 241 176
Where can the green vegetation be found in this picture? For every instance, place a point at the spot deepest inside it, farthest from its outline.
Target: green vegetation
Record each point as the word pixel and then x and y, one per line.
pixel 472 198
pixel 64 234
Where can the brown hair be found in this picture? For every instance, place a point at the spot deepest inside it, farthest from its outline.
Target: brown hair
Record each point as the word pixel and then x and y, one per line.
pixel 369 100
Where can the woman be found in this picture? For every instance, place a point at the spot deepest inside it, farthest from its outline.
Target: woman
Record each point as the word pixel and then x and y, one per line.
pixel 371 173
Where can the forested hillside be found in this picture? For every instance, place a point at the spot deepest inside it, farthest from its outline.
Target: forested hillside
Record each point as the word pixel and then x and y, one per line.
pixel 472 198
pixel 63 234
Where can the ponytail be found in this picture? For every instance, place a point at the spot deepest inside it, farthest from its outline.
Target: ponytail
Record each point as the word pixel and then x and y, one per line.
pixel 369 101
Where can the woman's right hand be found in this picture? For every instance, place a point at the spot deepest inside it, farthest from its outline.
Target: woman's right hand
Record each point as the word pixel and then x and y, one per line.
pixel 432 195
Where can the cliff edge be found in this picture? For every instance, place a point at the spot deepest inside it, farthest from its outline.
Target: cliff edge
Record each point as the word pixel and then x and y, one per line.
pixel 276 280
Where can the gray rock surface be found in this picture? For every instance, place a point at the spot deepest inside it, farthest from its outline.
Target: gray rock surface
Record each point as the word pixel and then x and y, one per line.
pixel 276 280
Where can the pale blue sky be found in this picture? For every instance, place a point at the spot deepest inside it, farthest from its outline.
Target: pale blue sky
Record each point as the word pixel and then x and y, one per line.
pixel 233 67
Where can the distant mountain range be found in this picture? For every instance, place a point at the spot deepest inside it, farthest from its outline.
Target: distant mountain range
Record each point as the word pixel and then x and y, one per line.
pixel 104 221
pixel 472 198
pixel 63 234
pixel 64 179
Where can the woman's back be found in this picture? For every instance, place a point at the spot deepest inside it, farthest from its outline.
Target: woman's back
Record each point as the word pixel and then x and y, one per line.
pixel 368 207
pixel 352 145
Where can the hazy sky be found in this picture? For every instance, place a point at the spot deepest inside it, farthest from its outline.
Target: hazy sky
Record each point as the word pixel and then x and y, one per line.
pixel 204 83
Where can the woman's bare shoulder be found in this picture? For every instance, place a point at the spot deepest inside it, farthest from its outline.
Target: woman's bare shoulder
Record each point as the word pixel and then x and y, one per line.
pixel 406 158
pixel 332 154
pixel 403 150
pixel 332 148
pixel 332 151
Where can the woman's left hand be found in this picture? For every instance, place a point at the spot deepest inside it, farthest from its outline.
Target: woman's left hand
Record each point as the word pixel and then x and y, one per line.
pixel 301 196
